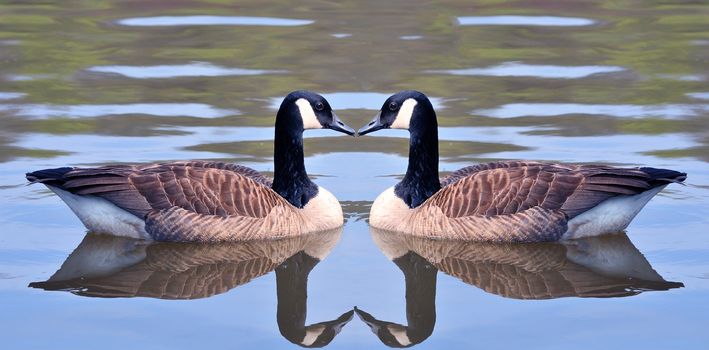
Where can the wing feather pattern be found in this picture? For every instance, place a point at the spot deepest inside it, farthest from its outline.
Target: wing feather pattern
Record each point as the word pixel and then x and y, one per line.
pixel 512 187
pixel 190 201
pixel 509 197
pixel 208 188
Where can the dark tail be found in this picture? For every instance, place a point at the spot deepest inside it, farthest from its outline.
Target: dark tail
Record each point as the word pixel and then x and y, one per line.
pixel 664 176
pixel 48 176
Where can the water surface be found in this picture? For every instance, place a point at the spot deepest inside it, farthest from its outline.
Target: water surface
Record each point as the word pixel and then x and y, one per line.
pixel 600 81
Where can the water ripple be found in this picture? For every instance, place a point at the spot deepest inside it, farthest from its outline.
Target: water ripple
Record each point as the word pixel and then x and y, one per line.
pixel 194 69
pixel 11 95
pixel 515 110
pixel 551 21
pixel 87 149
pixel 162 21
pixel 517 69
pixel 699 95
pixel 357 100
pixel 41 111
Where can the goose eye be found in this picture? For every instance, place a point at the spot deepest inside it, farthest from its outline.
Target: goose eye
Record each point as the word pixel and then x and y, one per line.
pixel 393 106
pixel 319 106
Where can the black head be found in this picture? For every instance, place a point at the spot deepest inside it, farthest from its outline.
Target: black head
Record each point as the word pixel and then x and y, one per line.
pixel 307 110
pixel 321 334
pixel 390 334
pixel 403 110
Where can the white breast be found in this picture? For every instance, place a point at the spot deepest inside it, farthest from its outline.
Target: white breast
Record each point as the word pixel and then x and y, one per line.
pixel 388 211
pixel 102 216
pixel 323 211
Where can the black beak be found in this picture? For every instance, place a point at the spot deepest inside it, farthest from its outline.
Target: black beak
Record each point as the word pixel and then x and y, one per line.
pixel 368 319
pixel 374 125
pixel 338 125
pixel 340 322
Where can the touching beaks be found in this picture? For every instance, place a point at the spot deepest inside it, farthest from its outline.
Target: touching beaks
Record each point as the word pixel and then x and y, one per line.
pixel 374 125
pixel 369 320
pixel 338 125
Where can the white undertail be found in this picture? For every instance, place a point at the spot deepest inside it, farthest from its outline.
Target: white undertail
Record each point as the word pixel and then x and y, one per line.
pixel 102 216
pixel 611 215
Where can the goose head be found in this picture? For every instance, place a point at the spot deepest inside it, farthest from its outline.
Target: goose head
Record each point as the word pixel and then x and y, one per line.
pixel 321 334
pixel 390 334
pixel 302 110
pixel 409 110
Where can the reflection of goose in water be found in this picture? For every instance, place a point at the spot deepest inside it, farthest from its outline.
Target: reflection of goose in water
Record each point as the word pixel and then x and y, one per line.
pixel 292 287
pixel 606 266
pixel 420 278
pixel 106 266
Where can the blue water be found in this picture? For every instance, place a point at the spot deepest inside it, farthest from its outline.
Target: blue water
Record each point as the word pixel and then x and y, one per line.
pixel 139 82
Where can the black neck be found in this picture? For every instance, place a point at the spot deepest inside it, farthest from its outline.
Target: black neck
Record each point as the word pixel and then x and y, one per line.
pixel 421 179
pixel 420 277
pixel 290 179
pixel 292 292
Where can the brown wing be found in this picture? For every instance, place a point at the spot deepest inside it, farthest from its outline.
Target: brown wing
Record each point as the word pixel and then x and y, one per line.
pixel 209 188
pixel 469 170
pixel 513 187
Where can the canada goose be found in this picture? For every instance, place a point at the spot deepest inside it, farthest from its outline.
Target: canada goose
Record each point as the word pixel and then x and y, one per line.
pixel 510 201
pixel 599 267
pixel 202 201
pixel 109 266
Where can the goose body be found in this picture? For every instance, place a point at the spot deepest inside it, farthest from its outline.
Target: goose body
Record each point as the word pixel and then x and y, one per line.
pixel 510 201
pixel 202 201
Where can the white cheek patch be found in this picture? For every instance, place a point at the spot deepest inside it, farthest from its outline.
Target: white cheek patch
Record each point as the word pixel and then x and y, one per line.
pixel 310 121
pixel 312 334
pixel 400 334
pixel 404 117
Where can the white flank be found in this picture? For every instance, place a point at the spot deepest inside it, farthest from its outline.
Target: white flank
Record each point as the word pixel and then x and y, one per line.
pixel 310 121
pixel 405 112
pixel 612 215
pixel 102 216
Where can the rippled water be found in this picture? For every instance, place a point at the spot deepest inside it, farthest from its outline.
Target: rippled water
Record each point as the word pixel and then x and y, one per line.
pixel 145 81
